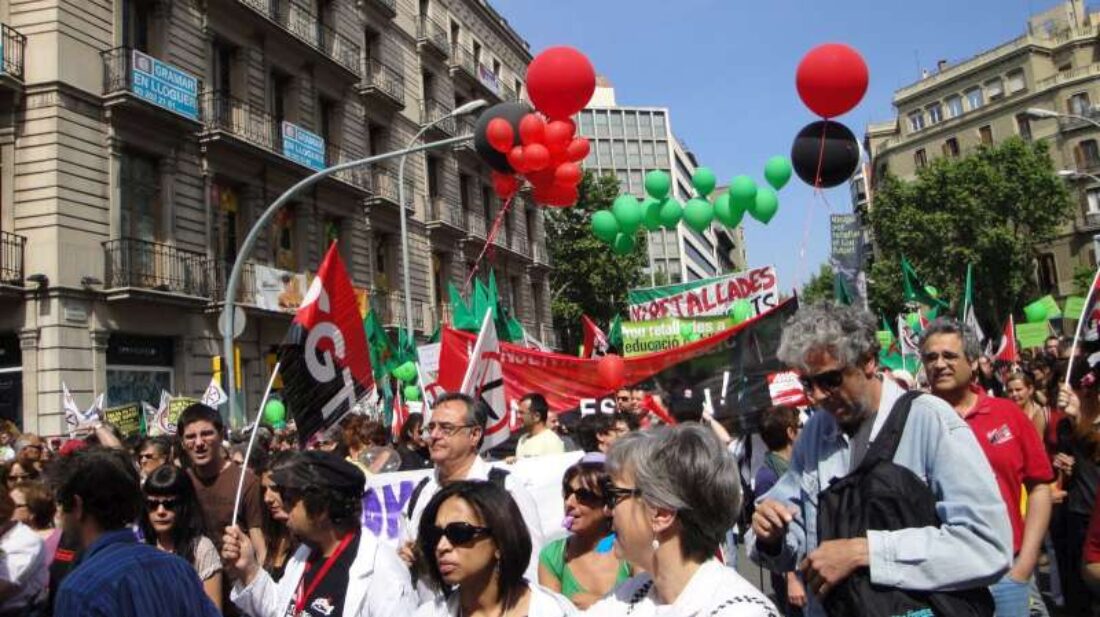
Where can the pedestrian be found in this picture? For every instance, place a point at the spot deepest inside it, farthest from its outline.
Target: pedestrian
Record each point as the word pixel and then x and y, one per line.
pixel 969 546
pixel 475 549
pixel 153 452
pixel 537 438
pixel 35 507
pixel 596 432
pixel 779 427
pixel 117 575
pixel 1020 389
pixel 564 431
pixel 582 566
pixel 28 451
pixel 174 525
pixel 23 564
pixel 988 378
pixel 338 570
pixel 1053 348
pixel 1011 443
pixel 277 537
pixel 411 445
pixel 20 471
pixel 673 494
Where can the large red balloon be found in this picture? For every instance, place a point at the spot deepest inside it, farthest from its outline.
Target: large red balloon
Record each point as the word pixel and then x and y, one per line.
pixel 500 135
pixel 536 157
pixel 505 185
pixel 568 174
pixel 612 371
pixel 831 79
pixel 578 149
pixel 560 82
pixel 517 160
pixel 532 129
pixel 558 134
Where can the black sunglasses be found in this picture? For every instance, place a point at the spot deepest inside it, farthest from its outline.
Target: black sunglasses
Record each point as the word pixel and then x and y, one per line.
pixel 154 504
pixel 614 495
pixel 583 495
pixel 827 381
pixel 458 534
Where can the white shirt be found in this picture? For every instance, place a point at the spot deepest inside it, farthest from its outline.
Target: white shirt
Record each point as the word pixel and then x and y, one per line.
pixel 713 591
pixel 546 442
pixel 544 603
pixel 379 585
pixel 23 562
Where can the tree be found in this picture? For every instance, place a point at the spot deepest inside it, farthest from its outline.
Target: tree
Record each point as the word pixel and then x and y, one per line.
pixel 991 208
pixel 819 287
pixel 588 278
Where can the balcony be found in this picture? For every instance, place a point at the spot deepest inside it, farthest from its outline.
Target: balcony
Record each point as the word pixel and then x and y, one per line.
pixel 384 188
pixel 358 177
pixel 12 249
pixel 390 307
pixel 1072 124
pixel 14 46
pixel 475 225
pixel 302 24
pixel 388 8
pixel 140 264
pixel 430 36
pixel 241 120
pixel 1091 221
pixel 433 112
pixel 444 213
pixel 463 64
pixel 217 279
pixel 139 81
pixel 383 85
pixel 539 254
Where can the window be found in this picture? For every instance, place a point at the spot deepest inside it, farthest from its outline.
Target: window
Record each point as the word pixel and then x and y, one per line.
pixel 618 152
pixel 496 67
pixel 994 89
pixel 223 58
pixel 487 205
pixel 916 120
pixel 601 124
pixel 1048 273
pixel 137 20
pixel 427 83
pixel 382 262
pixel 649 159
pixel 954 106
pixel 1023 126
pixel 634 154
pixel 616 124
pixel 140 191
pixel 587 127
pixel 631 122
pixel 329 121
pixel 464 183
pixel 974 98
pixel 920 158
pixel 456 34
pixel 477 53
pixel 645 125
pixel 1087 154
pixel 935 113
pixel 951 147
pixel 636 185
pixel 331 227
pixel 433 178
pixel 985 135
pixel 1016 81
pixel 280 97
pixel 378 138
pixel 514 294
pixel 603 152
pixel 1079 104
pixel 659 125
pixel 1093 196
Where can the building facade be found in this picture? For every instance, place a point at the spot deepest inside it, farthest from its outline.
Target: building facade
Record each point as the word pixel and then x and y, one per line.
pixel 631 141
pixel 985 99
pixel 141 139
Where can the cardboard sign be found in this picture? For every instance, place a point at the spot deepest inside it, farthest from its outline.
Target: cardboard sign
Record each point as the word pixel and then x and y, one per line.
pixel 642 337
pixel 1032 335
pixel 127 418
pixel 786 389
pixel 706 298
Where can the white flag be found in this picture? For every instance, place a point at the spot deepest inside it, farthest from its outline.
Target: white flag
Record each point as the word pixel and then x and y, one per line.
pixel 214 395
pixel 77 421
pixel 484 381
pixel 157 421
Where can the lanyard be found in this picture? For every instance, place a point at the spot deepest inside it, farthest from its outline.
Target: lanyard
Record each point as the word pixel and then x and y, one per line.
pixel 302 596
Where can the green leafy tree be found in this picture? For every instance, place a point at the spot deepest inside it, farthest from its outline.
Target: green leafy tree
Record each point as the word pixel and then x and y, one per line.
pixel 588 277
pixel 1082 278
pixel 819 287
pixel 991 208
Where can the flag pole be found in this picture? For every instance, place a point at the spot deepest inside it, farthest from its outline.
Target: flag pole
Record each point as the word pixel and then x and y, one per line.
pixel 1080 322
pixel 251 442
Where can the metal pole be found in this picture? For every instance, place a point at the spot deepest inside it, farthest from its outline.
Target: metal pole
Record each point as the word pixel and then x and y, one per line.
pixel 405 283
pixel 264 220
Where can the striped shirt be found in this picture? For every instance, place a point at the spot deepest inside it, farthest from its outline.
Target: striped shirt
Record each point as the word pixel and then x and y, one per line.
pixel 121 577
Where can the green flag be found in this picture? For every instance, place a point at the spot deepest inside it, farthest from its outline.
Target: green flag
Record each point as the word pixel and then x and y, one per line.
pixel 913 290
pixel 615 333
pixel 969 317
pixel 462 316
pixel 840 291
pixel 382 356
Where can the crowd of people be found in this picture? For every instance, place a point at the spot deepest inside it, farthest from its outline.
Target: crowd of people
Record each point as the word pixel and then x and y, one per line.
pixel 945 493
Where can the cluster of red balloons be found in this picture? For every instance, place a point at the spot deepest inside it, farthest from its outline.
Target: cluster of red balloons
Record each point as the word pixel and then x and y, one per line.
pixel 540 145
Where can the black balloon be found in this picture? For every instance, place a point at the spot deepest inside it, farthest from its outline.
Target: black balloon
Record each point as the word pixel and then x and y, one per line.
pixel 837 159
pixel 513 113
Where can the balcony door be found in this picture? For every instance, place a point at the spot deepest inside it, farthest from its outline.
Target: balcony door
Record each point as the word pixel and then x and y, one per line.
pixel 141 204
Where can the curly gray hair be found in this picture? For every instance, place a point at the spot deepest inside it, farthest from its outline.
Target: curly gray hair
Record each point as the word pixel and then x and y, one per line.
pixel 847 333
pixel 972 347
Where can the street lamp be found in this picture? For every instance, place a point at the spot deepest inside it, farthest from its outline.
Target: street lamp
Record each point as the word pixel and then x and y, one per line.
pixel 460 111
pixel 1040 113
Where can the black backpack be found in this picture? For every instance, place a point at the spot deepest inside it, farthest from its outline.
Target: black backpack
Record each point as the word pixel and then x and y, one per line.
pixel 882 495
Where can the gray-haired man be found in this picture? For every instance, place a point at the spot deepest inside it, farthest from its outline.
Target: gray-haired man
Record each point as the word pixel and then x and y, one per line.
pixel 836 351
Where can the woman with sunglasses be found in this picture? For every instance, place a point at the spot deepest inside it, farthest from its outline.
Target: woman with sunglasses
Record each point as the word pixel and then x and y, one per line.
pixel 21 472
pixel 475 548
pixel 153 452
pixel 582 566
pixel 174 525
pixel 674 493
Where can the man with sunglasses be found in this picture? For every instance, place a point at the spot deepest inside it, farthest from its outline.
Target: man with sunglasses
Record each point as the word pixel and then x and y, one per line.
pixel 835 349
pixel 338 571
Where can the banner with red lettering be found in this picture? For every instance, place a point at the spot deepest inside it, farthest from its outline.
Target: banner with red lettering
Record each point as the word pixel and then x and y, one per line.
pixel 733 365
pixel 708 297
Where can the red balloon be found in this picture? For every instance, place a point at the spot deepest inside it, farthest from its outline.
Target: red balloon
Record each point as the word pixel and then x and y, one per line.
pixel 517 159
pixel 558 134
pixel 505 185
pixel 542 177
pixel 555 195
pixel 536 157
pixel 560 82
pixel 831 79
pixel 500 135
pixel 612 371
pixel 568 174
pixel 532 129
pixel 577 150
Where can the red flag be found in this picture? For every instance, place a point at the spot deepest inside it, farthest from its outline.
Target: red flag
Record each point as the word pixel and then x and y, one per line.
pixel 595 341
pixel 1007 350
pixel 325 360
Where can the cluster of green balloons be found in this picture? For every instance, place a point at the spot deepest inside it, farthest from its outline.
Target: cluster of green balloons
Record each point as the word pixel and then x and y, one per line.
pixel 740 311
pixel 275 413
pixel 407 374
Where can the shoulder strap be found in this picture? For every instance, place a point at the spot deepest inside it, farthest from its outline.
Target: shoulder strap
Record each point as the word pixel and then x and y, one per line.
pixel 886 442
pixel 497 476
pixel 416 495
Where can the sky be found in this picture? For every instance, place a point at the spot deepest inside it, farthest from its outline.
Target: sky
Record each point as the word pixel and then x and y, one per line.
pixel 725 69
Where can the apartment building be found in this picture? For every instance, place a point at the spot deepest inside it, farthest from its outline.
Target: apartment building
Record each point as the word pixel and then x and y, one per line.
pixel 141 139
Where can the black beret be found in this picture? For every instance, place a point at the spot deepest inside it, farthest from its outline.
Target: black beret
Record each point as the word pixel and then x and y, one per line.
pixel 321 470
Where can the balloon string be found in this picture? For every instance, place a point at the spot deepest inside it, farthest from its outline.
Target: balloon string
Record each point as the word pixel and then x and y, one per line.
pixel 493 231
pixel 805 243
pixel 821 154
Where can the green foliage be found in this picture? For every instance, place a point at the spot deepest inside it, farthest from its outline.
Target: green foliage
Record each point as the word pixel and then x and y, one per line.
pixel 1082 278
pixel 819 288
pixel 588 277
pixel 991 208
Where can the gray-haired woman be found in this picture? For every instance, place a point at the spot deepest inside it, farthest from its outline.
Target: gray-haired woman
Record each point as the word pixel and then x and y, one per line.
pixel 674 493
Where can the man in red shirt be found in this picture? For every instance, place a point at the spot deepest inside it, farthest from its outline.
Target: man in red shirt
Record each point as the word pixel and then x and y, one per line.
pixel 1013 447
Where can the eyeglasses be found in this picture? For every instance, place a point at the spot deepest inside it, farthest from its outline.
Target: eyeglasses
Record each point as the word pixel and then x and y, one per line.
pixel 932 357
pixel 458 534
pixel 614 495
pixel 155 504
pixel 445 428
pixel 827 381
pixel 583 495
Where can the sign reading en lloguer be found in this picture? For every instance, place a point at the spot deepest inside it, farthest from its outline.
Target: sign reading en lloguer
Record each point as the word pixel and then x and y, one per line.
pixel 165 86
pixel 708 297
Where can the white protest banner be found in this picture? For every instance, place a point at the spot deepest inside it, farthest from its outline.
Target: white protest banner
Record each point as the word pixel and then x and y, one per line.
pixel 708 297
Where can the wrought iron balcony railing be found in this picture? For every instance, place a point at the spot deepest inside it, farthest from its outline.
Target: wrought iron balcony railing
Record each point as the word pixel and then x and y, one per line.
pixel 153 265
pixel 434 112
pixel 431 32
pixel 12 250
pixel 359 177
pixel 463 59
pixel 386 81
pixel 303 24
pixel 15 45
pixel 242 119
pixel 447 211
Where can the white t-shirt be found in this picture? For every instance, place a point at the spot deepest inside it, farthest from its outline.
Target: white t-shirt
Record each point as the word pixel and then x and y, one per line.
pixel 713 591
pixel 23 562
pixel 546 442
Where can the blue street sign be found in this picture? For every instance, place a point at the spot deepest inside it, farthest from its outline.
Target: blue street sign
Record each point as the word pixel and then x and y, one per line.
pixel 165 86
pixel 303 147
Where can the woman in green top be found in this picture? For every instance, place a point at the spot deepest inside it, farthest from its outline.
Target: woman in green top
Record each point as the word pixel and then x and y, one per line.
pixel 582 566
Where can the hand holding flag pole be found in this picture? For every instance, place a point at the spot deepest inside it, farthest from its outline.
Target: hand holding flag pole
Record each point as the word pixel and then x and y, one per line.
pixel 252 442
pixel 1082 319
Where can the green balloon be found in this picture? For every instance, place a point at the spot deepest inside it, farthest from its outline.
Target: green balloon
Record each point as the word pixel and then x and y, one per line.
pixel 698 213
pixel 671 211
pixel 405 372
pixel 624 244
pixel 777 171
pixel 704 181
pixel 628 212
pixel 725 211
pixel 741 311
pixel 694 336
pixel 412 393
pixel 686 330
pixel 1035 312
pixel 657 184
pixel 932 291
pixel 605 226
pixel 743 193
pixel 651 210
pixel 913 321
pixel 767 204
pixel 274 412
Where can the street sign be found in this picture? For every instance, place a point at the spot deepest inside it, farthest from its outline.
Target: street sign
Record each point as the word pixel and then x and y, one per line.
pixel 165 86
pixel 238 322
pixel 303 147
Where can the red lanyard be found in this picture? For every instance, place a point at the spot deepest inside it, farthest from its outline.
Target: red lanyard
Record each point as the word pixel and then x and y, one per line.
pixel 301 597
